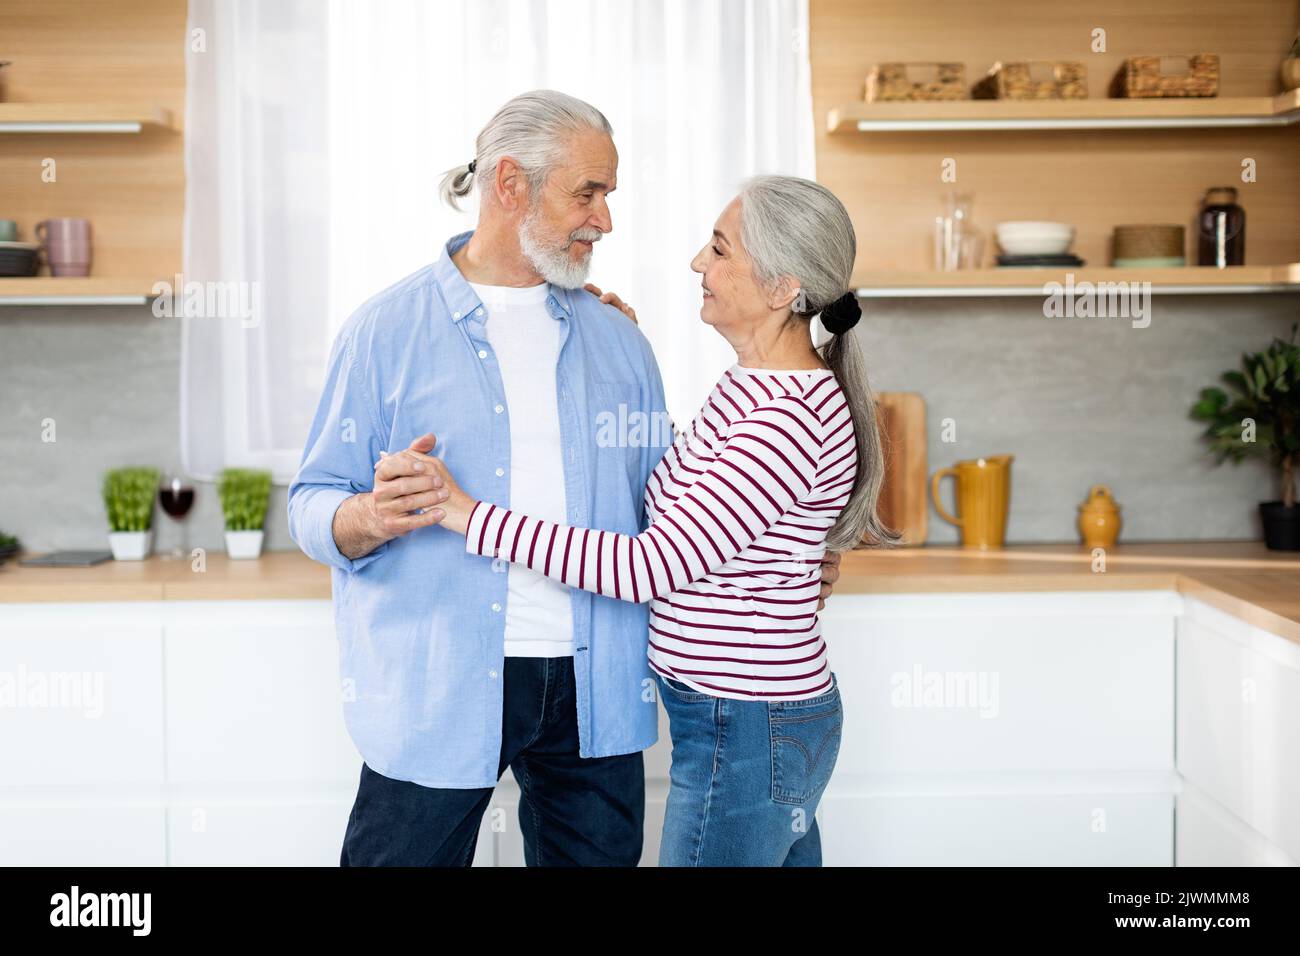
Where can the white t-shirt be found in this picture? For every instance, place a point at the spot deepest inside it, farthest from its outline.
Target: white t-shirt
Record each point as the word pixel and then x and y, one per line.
pixel 526 340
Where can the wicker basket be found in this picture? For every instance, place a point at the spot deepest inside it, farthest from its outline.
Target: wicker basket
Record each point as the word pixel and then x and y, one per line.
pixel 1152 76
pixel 1034 80
pixel 916 81
pixel 1148 241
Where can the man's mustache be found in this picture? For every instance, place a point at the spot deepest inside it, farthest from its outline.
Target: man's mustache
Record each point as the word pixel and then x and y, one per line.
pixel 586 235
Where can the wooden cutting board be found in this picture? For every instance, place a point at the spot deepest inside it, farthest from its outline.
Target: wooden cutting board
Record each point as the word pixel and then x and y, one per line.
pixel 904 498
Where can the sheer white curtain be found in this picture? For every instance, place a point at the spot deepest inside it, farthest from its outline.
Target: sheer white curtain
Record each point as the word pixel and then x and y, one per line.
pixel 323 131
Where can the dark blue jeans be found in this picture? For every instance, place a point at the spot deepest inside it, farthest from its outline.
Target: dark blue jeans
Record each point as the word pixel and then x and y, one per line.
pixel 573 811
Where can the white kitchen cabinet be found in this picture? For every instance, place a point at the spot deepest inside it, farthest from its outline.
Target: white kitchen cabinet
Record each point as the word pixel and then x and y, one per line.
pixel 221 738
pixel 1003 729
pixel 96 829
pixel 270 670
pixel 1012 827
pixel 1053 682
pixel 87 695
pixel 1238 736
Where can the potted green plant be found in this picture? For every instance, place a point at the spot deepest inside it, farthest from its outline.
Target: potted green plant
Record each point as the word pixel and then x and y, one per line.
pixel 9 546
pixel 1261 419
pixel 128 500
pixel 244 493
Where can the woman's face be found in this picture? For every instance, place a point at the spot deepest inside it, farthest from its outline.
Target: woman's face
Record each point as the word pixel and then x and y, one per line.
pixel 733 300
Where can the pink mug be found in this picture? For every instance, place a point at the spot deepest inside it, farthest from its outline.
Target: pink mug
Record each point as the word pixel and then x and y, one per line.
pixel 66 244
pixel 62 229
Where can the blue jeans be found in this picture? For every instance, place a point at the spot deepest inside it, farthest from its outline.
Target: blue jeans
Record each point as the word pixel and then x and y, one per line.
pixel 746 777
pixel 573 811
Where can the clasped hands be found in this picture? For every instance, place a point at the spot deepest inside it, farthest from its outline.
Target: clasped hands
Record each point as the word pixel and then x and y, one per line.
pixel 413 489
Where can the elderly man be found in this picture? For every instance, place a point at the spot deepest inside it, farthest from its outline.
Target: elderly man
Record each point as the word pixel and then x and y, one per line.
pixel 455 666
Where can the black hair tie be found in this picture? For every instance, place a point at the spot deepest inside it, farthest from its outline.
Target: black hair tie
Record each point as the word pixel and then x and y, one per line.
pixel 842 314
pixel 472 164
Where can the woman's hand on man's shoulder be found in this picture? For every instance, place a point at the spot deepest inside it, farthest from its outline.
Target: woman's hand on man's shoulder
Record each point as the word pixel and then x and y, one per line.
pixel 612 298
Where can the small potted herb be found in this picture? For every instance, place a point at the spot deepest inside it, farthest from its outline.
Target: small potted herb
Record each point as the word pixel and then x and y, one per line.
pixel 9 546
pixel 244 493
pixel 128 500
pixel 1261 419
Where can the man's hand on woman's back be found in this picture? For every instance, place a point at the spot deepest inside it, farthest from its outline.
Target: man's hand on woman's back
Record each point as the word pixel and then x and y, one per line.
pixel 830 574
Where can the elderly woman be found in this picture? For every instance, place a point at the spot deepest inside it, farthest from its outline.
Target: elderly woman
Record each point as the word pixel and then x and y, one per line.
pixel 782 463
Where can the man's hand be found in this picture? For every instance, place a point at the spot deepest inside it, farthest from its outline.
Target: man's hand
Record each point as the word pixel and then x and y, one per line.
pixel 611 298
pixel 406 493
pixel 408 487
pixel 830 574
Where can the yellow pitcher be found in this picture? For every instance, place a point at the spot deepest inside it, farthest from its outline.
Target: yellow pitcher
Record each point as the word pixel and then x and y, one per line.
pixel 983 497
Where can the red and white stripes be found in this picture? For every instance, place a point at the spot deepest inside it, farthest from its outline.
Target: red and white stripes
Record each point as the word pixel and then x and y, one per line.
pixel 739 508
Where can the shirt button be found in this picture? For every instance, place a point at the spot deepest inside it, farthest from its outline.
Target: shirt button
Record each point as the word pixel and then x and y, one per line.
pixel 455 315
pixel 492 674
pixel 496 606
pixel 482 353
pixel 500 472
pixel 498 564
pixel 499 409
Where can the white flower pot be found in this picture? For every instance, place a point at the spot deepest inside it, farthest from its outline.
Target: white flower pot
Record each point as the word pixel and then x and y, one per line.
pixel 242 545
pixel 130 545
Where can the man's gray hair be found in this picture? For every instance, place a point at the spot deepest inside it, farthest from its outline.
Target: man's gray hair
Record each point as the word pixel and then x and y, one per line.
pixel 533 129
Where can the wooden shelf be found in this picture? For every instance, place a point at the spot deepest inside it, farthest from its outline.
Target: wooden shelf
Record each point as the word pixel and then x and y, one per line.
pixel 81 118
pixel 953 115
pixel 92 290
pixel 1191 280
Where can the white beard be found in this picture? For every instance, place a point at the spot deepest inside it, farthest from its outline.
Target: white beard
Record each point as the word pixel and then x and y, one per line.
pixel 554 265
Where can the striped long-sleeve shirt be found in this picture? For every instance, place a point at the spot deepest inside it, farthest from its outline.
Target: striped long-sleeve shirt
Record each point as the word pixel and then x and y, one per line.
pixel 739 508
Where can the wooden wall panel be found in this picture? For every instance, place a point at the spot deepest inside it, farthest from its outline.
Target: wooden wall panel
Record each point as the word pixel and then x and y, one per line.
pixel 1096 179
pixel 131 187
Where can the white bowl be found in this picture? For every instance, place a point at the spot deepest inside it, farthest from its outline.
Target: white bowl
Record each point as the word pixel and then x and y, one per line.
pixel 1037 228
pixel 1034 238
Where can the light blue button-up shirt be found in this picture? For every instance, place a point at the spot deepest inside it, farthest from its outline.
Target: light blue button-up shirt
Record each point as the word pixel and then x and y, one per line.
pixel 420 623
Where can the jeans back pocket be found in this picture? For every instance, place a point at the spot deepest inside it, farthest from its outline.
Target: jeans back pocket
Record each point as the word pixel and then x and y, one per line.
pixel 805 745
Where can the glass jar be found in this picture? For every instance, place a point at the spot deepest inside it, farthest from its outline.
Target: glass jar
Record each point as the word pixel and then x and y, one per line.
pixel 1221 229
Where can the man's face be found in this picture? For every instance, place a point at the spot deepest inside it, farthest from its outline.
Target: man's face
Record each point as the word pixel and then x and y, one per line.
pixel 571 211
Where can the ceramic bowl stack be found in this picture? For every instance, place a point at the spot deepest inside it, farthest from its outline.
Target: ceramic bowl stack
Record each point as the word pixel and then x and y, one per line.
pixel 1035 238
pixel 1032 243
pixel 19 258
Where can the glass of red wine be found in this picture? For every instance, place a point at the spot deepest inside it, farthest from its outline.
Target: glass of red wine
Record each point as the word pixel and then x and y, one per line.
pixel 176 495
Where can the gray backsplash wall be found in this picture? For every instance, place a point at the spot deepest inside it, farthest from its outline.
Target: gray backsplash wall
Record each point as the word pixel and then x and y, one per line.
pixel 1077 401
pixel 1081 402
pixel 110 379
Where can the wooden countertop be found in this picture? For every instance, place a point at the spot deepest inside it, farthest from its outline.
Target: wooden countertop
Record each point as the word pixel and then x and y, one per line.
pixel 1242 578
pixel 276 575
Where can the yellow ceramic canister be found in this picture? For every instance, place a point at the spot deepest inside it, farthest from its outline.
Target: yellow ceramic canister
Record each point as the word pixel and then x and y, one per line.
pixel 1099 520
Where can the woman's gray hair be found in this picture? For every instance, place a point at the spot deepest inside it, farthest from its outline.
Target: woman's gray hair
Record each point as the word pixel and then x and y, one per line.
pixel 533 129
pixel 795 229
